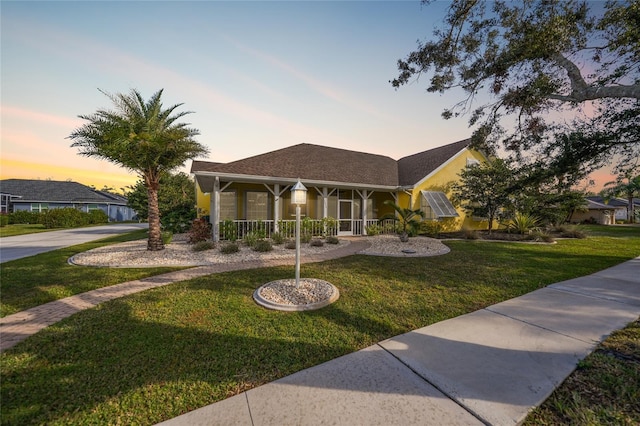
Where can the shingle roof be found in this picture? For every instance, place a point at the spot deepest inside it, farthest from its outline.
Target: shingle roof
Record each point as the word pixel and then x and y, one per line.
pixel 312 162
pixel 614 202
pixel 413 168
pixel 315 162
pixel 56 191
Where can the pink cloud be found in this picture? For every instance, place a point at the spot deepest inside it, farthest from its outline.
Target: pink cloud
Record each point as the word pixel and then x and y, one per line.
pixel 12 112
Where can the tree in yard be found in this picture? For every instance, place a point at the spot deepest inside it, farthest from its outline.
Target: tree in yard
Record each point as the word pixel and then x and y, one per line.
pixel 628 189
pixel 176 201
pixel 142 137
pixel 409 219
pixel 485 189
pixel 530 58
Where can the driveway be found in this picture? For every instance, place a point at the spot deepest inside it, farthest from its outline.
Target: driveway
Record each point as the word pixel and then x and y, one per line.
pixel 20 246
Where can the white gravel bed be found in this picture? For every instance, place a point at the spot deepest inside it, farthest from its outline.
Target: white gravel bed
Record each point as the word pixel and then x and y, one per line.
pixel 134 254
pixel 390 245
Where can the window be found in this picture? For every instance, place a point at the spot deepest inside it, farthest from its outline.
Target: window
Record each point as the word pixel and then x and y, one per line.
pixel 228 210
pixel 39 207
pixel 257 205
pixel 92 207
pixel 435 205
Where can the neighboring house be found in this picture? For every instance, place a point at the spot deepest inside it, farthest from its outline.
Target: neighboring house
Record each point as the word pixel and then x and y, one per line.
pixel 42 195
pixel 618 205
pixel 594 212
pixel 345 185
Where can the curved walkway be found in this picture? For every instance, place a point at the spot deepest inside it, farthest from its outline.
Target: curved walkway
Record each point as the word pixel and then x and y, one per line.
pixel 17 327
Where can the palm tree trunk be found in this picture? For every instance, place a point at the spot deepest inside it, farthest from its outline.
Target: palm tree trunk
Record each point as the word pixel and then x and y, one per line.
pixel 155 234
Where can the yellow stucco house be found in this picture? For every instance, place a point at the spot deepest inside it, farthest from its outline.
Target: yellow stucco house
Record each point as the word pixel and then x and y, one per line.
pixel 345 185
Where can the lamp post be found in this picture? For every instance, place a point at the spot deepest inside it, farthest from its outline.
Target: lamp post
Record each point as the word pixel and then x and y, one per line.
pixel 298 197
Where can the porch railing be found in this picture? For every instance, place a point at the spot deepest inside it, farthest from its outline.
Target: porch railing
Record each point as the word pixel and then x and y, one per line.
pixel 237 229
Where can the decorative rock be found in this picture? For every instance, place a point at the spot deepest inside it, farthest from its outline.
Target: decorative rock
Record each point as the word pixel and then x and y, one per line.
pixel 283 295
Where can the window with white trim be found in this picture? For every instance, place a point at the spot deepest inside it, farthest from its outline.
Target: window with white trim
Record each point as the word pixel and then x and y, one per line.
pixel 39 207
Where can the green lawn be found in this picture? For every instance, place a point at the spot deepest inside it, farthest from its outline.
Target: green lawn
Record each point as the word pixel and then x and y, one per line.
pixel 154 355
pixel 22 229
pixel 32 281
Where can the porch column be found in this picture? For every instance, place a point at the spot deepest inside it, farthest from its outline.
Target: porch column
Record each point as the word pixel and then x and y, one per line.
pixel 365 211
pixel 214 210
pixel 276 207
pixel 325 202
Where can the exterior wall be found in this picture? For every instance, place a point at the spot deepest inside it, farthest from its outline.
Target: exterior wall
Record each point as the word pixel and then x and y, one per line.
pixel 603 217
pixel 441 180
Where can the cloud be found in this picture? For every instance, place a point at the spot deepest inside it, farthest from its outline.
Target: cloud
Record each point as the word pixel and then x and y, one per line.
pixel 13 112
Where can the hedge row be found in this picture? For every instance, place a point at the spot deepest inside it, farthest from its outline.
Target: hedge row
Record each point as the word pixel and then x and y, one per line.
pixel 59 218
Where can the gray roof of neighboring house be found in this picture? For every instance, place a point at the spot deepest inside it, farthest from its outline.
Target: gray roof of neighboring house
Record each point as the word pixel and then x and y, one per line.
pixel 614 202
pixel 56 191
pixel 321 163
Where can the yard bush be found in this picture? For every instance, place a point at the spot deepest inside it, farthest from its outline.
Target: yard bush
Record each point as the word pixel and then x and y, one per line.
pixel 331 239
pixel 229 230
pixel 277 238
pixel 4 219
pixel 67 217
pixel 316 242
pixel 200 231
pixel 263 246
pixel 305 238
pixel 203 245
pixel 523 223
pixel 166 236
pixel 96 217
pixel 178 219
pixel 251 239
pixel 229 248
pixel 373 229
pixel 24 217
pixel 290 244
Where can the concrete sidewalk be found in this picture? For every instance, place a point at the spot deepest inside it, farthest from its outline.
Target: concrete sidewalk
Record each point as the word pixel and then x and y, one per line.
pixel 488 367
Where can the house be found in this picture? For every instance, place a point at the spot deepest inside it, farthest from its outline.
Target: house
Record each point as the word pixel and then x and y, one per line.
pixel 594 212
pixel 345 185
pixel 619 206
pixel 42 195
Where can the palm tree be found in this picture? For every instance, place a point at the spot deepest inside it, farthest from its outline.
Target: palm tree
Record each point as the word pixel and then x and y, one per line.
pixel 630 189
pixel 409 219
pixel 141 137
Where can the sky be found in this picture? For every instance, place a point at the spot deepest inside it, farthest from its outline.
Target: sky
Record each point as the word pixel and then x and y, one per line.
pixel 258 76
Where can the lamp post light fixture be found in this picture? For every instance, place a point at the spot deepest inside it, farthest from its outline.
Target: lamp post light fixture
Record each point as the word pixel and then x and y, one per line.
pixel 298 197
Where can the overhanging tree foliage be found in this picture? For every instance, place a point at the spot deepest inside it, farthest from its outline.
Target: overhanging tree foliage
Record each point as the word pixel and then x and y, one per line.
pixel 529 58
pixel 142 137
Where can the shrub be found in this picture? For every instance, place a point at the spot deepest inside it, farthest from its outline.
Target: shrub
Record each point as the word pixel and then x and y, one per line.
pixel 373 229
pixel 540 235
pixel 200 231
pixel 431 227
pixel 471 234
pixel 4 220
pixel 329 226
pixel 277 238
pixel 305 238
pixel 572 232
pixel 290 244
pixel 316 242
pixel 203 245
pixel 229 248
pixel 262 246
pixel 523 223
pixel 178 219
pixel 332 240
pixel 251 239
pixel 229 230
pixel 24 217
pixel 166 236
pixel 97 216
pixel 67 217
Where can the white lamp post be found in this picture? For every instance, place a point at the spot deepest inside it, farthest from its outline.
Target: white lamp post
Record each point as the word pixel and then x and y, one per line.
pixel 298 197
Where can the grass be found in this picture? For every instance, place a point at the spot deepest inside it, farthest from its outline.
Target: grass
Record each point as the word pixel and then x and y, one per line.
pixel 22 229
pixel 604 389
pixel 32 281
pixel 157 354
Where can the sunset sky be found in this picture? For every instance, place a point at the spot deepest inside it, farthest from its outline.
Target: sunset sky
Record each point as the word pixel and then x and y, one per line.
pixel 258 76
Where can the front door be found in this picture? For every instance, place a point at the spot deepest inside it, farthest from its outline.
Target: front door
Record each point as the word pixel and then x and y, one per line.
pixel 345 217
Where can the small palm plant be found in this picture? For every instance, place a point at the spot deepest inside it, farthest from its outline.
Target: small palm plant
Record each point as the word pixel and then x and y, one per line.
pixel 523 223
pixel 409 219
